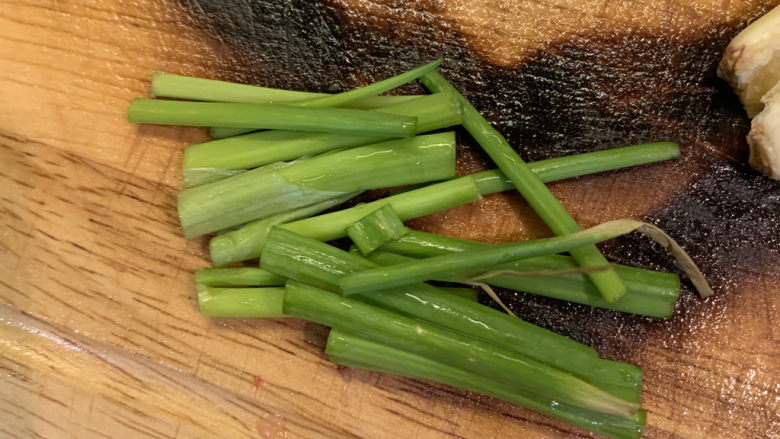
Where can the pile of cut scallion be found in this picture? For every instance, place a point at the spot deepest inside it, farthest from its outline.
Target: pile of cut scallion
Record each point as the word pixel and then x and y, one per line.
pixel 281 158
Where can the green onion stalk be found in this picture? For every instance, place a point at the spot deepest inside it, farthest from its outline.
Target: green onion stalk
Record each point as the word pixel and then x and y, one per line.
pixel 470 263
pixel 347 98
pixel 532 188
pixel 166 85
pixel 268 116
pixel 240 302
pixel 650 293
pixel 351 350
pixel 324 307
pixel 316 263
pixel 237 277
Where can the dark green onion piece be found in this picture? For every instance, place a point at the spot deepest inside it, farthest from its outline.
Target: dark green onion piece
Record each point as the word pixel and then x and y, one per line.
pixel 350 350
pixel 375 229
pixel 240 302
pixel 369 103
pixel 238 277
pixel 561 168
pixel 384 326
pixel 532 188
pixel 279 117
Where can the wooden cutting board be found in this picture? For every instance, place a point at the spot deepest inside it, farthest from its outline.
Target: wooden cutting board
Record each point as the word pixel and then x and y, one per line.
pixel 100 333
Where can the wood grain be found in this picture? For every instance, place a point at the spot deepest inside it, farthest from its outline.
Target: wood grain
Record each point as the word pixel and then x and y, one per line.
pixel 101 336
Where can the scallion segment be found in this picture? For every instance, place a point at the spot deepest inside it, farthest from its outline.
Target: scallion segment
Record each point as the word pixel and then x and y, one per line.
pixel 375 229
pixel 246 243
pixel 561 168
pixel 369 103
pixel 351 350
pixel 279 117
pixel 532 188
pixel 316 263
pixel 384 326
pixel 240 302
pixel 260 193
pixel 650 293
pixel 165 85
pixel 237 277
pixel 243 152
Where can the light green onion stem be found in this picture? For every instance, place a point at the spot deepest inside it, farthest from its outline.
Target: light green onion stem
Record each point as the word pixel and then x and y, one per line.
pixel 237 277
pixel 165 85
pixel 280 117
pixel 532 188
pixel 461 351
pixel 466 293
pixel 350 350
pixel 240 302
pixel 259 193
pixel 346 98
pixel 247 242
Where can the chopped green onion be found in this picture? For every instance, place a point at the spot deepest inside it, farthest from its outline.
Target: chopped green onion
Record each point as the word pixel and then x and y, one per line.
pixel 259 193
pixel 350 350
pixel 469 294
pixel 238 277
pixel 280 117
pixel 375 229
pixel 240 302
pixel 532 188
pixel 371 89
pixel 165 85
pixel 218 133
pixel 430 341
pixel 324 266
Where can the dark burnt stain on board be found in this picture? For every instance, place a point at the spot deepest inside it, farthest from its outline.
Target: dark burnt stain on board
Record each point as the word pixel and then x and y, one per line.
pixel 585 93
